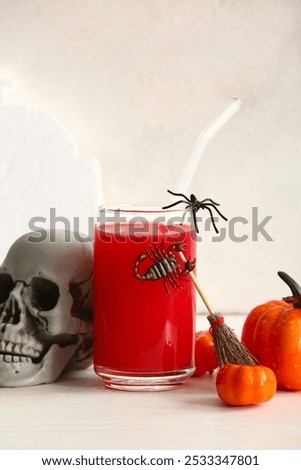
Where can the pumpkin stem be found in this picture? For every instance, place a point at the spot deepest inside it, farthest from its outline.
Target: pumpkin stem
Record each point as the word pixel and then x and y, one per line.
pixel 294 287
pixel 294 299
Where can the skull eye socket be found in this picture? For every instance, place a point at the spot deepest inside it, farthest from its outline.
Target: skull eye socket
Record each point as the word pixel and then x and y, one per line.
pixel 6 286
pixel 44 293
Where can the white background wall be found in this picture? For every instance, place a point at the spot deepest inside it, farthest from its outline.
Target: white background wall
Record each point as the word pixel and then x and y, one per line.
pixel 134 81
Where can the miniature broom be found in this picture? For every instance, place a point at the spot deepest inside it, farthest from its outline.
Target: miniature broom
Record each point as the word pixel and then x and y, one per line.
pixel 228 348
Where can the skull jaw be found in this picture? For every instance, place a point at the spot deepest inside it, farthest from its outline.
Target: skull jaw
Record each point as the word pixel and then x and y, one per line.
pixel 25 374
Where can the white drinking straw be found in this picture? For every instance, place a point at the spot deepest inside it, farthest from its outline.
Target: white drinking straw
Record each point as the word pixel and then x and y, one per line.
pixel 201 143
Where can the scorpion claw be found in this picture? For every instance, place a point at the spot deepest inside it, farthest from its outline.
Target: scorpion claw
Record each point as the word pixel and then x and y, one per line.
pixel 189 266
pixel 179 247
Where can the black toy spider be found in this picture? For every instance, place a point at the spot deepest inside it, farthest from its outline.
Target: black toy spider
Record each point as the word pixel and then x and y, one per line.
pixel 196 205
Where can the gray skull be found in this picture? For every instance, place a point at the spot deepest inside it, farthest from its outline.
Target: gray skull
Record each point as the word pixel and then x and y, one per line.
pixel 46 308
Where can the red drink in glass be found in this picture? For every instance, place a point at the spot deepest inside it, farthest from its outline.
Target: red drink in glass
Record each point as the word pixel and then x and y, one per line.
pixel 144 301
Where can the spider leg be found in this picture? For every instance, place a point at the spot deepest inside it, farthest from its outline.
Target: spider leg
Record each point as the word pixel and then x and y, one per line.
pixel 212 218
pixel 210 200
pixel 212 205
pixel 195 221
pixel 174 204
pixel 179 194
pixel 222 216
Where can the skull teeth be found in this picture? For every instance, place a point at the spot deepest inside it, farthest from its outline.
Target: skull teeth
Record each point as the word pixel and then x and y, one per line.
pixel 10 358
pixel 7 358
pixel 9 349
pixel 17 349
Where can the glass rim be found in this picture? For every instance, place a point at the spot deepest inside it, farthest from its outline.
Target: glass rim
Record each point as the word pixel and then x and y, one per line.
pixel 126 208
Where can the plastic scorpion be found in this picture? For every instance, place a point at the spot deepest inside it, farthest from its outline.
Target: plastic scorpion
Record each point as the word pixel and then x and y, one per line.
pixel 165 265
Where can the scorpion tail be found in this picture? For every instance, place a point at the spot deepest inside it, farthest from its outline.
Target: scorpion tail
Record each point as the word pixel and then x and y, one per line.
pixel 138 261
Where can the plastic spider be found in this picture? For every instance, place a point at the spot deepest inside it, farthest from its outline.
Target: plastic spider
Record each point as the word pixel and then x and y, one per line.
pixel 195 206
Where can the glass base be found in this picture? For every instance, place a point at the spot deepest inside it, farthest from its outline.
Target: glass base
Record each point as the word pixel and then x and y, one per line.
pixel 141 382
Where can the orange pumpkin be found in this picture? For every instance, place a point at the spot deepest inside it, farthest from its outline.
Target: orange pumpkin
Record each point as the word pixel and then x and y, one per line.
pixel 205 355
pixel 238 384
pixel 272 333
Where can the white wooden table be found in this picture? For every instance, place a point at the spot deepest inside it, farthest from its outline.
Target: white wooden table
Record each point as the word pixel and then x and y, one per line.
pixel 78 412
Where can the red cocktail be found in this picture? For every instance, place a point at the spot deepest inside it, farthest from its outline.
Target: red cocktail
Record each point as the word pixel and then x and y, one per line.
pixel 144 299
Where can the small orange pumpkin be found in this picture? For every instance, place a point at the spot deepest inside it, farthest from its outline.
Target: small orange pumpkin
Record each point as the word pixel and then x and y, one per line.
pixel 272 333
pixel 205 355
pixel 238 384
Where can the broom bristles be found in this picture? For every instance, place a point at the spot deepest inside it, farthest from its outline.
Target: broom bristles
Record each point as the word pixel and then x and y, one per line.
pixel 228 348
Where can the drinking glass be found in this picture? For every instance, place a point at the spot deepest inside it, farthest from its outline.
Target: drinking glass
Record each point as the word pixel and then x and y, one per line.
pixel 144 299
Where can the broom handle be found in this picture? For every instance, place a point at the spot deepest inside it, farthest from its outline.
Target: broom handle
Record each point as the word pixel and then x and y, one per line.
pixel 197 286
